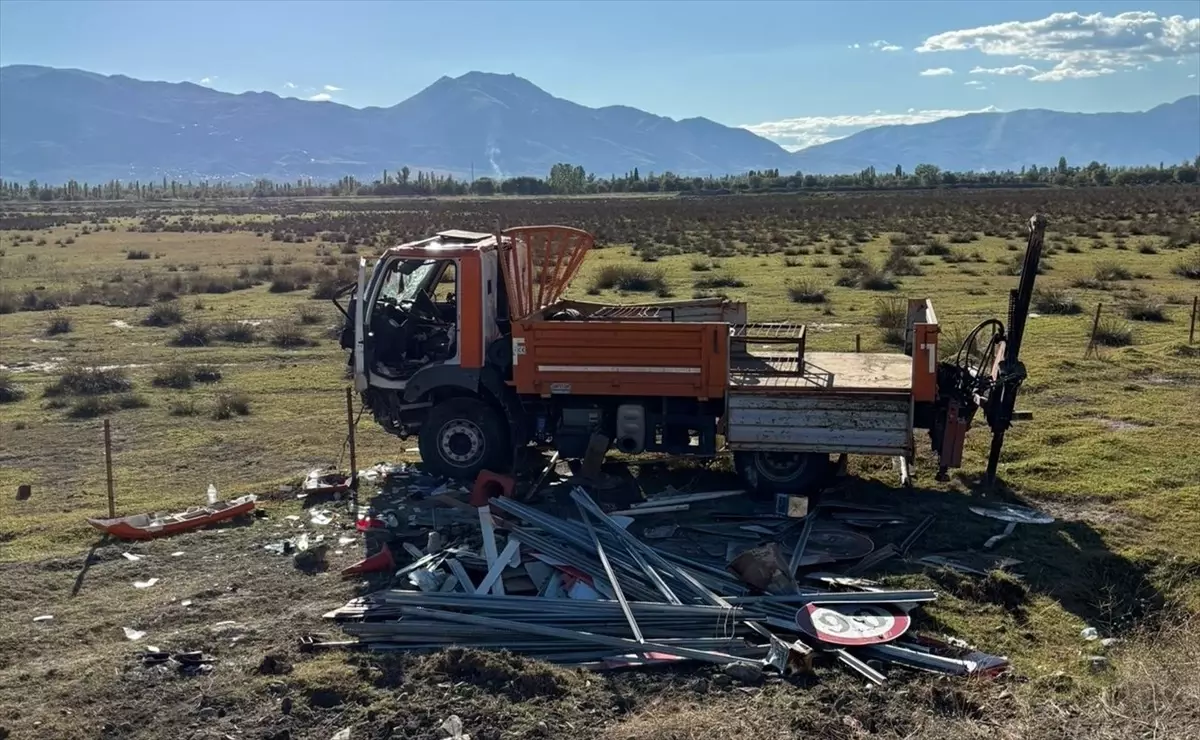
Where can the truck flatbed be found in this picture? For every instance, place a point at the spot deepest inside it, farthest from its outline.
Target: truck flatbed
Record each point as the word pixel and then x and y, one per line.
pixel 851 372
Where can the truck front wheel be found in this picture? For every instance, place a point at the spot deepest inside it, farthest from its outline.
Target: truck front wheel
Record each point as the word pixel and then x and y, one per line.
pixel 768 473
pixel 462 436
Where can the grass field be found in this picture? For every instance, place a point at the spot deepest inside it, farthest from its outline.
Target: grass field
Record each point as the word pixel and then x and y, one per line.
pixel 194 329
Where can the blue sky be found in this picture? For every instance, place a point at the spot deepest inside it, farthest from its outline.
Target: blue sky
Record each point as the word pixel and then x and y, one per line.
pixel 798 72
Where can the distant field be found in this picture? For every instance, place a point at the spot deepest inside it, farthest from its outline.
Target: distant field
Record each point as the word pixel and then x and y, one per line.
pixel 204 311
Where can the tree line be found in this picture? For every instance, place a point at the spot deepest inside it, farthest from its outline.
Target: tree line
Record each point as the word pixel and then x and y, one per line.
pixel 568 179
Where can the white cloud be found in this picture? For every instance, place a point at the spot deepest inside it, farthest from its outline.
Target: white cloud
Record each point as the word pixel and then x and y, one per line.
pixel 208 80
pixel 1019 70
pixel 1080 46
pixel 975 84
pixel 290 85
pixel 332 88
pixel 1191 77
pixel 794 134
pixel 885 46
pixel 320 97
pixel 937 72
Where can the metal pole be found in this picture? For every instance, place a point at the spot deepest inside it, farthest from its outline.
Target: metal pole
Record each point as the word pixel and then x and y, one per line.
pixel 112 502
pixel 858 342
pixel 350 439
pixel 1092 338
pixel 1195 311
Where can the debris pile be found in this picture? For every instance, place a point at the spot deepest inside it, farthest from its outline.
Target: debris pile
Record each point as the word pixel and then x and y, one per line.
pixel 585 591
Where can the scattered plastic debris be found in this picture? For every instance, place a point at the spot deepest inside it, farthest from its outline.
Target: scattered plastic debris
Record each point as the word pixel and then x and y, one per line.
pixel 131 556
pixel 146 583
pixel 132 634
pixel 1089 633
pixel 44 618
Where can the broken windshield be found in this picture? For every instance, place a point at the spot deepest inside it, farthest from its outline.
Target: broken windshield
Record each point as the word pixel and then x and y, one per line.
pixel 406 279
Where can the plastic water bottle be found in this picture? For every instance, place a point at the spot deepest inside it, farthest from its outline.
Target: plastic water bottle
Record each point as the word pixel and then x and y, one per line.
pixel 212 494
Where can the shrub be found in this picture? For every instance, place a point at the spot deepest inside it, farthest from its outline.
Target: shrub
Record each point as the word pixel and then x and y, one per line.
pixel 806 292
pixel 1112 332
pixel 92 406
pixel 177 376
pixel 59 324
pixel 1108 271
pixel 228 405
pixel 287 334
pixel 793 262
pixel 1088 283
pixel 283 284
pixel 937 248
pixel 900 262
pixel 872 279
pixel 8 303
pixel 1055 301
pixel 235 331
pixel 164 314
pixel 1146 309
pixel 721 280
pixel 137 254
pixel 196 335
pixel 699 264
pixel 10 392
pixel 83 380
pixel 632 278
pixel 1147 249
pixel 207 374
pixel 309 315
pixel 892 314
pixel 182 407
pixel 1188 267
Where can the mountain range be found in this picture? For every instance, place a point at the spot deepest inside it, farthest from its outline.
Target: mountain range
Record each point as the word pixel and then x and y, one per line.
pixel 58 124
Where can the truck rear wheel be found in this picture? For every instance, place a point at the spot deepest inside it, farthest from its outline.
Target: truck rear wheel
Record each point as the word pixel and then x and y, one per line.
pixel 462 436
pixel 769 473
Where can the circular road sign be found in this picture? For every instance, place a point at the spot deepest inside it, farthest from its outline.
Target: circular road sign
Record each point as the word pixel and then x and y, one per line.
pixel 853 624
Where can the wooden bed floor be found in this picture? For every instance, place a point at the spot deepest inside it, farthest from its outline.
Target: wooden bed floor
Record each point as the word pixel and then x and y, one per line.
pixel 865 371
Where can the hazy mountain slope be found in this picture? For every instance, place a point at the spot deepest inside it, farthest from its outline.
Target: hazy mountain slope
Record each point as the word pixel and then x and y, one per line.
pixel 985 141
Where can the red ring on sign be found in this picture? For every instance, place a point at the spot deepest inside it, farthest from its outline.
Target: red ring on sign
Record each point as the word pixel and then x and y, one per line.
pixel 853 624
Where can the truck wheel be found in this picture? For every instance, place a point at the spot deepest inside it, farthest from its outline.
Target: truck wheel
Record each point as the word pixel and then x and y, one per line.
pixel 462 436
pixel 769 473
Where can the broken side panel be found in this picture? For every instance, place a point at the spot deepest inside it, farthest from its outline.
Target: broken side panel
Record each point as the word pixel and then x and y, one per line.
pixel 539 263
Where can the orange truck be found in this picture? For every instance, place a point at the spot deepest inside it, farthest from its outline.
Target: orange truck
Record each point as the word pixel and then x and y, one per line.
pixel 466 341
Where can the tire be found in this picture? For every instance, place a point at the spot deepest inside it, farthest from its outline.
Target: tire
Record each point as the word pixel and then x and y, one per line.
pixel 462 436
pixel 769 473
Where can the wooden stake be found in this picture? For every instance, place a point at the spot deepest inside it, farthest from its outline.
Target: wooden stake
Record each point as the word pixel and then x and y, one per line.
pixel 858 342
pixel 1092 339
pixel 112 501
pixel 350 438
pixel 1195 311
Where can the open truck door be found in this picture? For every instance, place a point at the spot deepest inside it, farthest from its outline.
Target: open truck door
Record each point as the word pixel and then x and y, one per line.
pixel 361 382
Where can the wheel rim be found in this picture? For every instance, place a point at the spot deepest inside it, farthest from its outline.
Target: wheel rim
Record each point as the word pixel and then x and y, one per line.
pixel 781 467
pixel 461 443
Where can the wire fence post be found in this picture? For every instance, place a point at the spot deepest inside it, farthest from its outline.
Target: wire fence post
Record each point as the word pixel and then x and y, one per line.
pixel 1195 311
pixel 1091 347
pixel 112 502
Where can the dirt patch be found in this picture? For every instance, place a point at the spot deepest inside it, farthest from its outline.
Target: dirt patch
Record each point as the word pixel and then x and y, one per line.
pixel 516 677
pixel 1119 425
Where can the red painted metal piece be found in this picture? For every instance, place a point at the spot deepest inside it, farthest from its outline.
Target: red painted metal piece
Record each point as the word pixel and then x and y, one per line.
pixel 489 484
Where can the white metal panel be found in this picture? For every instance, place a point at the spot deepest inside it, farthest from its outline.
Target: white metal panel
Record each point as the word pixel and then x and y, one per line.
pixel 827 424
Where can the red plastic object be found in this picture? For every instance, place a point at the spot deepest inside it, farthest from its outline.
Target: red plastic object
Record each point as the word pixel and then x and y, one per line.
pixel 490 484
pixel 381 560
